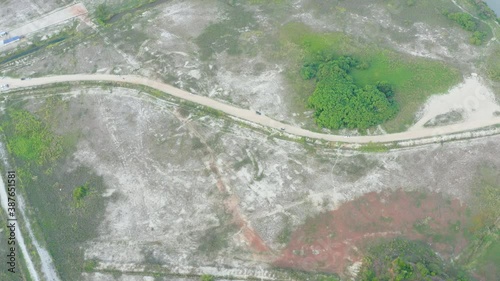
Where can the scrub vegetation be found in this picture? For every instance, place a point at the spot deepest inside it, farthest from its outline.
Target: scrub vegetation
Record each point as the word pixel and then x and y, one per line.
pixel 468 23
pixel 482 256
pixel 412 80
pixel 39 157
pixel 224 36
pixel 401 259
pixel 339 103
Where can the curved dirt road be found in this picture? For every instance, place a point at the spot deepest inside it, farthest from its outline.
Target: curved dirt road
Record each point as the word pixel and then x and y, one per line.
pixel 251 116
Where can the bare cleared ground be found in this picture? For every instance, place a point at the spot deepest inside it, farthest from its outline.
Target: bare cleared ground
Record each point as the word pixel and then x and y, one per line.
pixel 177 177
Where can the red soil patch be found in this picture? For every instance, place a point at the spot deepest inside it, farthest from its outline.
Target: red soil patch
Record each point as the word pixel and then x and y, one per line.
pixel 231 204
pixel 77 10
pixel 334 240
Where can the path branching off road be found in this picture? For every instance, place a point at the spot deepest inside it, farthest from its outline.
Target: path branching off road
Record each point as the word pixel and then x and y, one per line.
pixel 250 115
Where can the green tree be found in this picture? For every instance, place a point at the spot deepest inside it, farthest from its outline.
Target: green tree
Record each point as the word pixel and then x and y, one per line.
pixel 207 277
pixel 339 103
pixel 80 192
pixel 102 13
pixel 465 20
pixel 477 38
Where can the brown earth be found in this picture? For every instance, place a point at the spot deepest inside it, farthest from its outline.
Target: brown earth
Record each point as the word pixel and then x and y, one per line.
pixel 334 240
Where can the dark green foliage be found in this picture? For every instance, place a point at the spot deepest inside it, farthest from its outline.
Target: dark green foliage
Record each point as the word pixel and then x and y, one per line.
pixel 102 13
pixel 465 20
pixel 80 192
pixel 385 88
pixel 401 259
pixel 207 277
pixel 339 103
pixel 477 38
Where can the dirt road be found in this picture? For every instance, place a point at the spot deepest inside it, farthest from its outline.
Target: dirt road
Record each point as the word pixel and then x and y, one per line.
pixel 251 116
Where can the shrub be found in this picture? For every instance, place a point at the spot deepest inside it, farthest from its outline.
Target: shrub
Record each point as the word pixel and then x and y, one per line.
pixel 207 277
pixel 339 103
pixel 80 192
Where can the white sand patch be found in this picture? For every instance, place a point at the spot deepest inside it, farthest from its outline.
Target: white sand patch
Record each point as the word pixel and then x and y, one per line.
pixel 472 98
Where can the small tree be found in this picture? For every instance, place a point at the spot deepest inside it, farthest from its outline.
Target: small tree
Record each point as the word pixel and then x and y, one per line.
pixel 102 13
pixel 207 277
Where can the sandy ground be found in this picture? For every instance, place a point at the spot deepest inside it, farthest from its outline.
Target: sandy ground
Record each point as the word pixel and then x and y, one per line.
pixel 251 116
pixel 472 98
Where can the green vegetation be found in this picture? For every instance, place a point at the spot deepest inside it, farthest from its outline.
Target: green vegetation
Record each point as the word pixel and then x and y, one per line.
pixel 482 254
pixel 225 36
pixel 39 156
pixel 412 79
pixel 108 14
pixel 400 259
pixel 207 277
pixel 80 192
pixel 32 140
pixel 374 147
pixel 482 9
pixel 467 22
pixel 339 103
pixel 90 265
pixel 493 64
pixel 102 13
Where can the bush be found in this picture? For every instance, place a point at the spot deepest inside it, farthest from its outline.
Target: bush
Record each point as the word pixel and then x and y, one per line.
pixel 339 103
pixel 207 277
pixel 401 259
pixel 102 13
pixel 80 192
pixel 477 38
pixel 465 20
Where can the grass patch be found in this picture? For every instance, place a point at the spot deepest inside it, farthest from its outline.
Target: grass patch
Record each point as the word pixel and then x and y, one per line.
pixel 224 36
pixel 374 147
pixel 31 139
pixel 413 79
pixel 39 156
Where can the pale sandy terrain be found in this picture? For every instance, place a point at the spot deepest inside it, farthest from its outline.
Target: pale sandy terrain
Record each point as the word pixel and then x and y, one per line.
pixel 472 98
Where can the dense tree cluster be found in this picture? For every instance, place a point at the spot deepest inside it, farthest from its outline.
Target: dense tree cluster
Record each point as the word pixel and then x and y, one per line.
pixel 340 103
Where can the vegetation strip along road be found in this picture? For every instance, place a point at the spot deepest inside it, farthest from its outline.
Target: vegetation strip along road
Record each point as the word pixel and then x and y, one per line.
pixel 250 115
